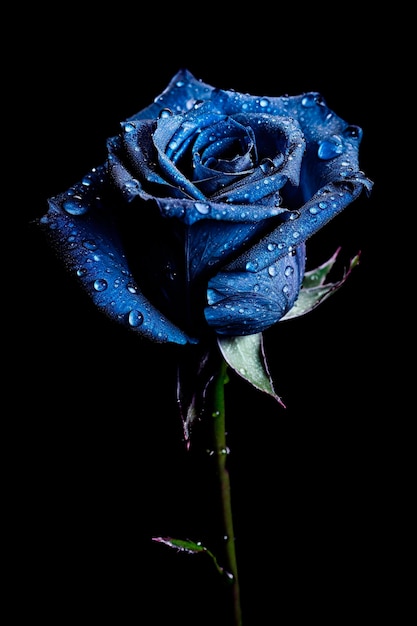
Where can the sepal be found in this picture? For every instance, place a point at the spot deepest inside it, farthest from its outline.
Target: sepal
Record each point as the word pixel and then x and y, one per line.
pixel 246 356
pixel 314 289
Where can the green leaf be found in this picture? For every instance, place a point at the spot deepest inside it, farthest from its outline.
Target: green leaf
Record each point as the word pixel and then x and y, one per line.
pixel 246 356
pixel 315 290
pixel 190 547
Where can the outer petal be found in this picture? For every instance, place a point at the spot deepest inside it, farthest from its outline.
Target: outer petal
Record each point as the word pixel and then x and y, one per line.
pixel 319 210
pixel 81 226
pixel 181 94
pixel 242 303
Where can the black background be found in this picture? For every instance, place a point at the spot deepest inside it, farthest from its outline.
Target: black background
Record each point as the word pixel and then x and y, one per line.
pixel 98 460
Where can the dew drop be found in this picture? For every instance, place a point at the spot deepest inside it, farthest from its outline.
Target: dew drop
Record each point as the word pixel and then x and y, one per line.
pixel 252 266
pixel 74 206
pixel 330 148
pixel 100 284
pixel 165 113
pixel 131 187
pixel 353 131
pixel 128 127
pixel 132 287
pixel 289 270
pixel 135 318
pixel 267 166
pixel 272 270
pixel 82 271
pixel 202 207
pixel 309 100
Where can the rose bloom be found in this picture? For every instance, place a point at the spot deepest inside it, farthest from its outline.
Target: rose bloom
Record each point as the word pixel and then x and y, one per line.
pixel 196 224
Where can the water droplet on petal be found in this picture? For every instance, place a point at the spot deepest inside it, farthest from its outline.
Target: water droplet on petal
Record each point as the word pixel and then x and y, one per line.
pixel 100 284
pixel 309 100
pixel 267 165
pixel 75 206
pixel 131 188
pixel 353 131
pixel 135 318
pixel 252 266
pixel 330 148
pixel 165 113
pixel 128 127
pixel 132 287
pixel 202 207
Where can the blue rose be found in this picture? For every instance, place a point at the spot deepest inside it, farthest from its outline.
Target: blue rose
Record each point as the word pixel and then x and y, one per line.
pixel 197 221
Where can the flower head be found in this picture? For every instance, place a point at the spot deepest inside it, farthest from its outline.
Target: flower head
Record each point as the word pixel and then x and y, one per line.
pixel 197 222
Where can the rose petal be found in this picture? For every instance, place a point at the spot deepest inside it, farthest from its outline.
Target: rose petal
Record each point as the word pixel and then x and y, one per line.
pixel 301 225
pixel 241 303
pixel 93 253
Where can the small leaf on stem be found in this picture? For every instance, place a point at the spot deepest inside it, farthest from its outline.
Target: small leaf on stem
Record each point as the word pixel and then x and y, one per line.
pixel 191 547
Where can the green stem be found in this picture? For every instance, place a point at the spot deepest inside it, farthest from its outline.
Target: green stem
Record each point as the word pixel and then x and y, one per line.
pixel 221 451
